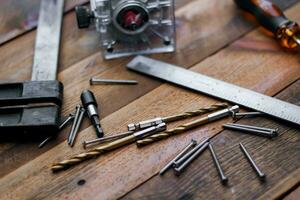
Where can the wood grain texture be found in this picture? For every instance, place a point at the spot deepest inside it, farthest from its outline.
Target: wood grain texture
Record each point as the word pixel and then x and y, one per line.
pixel 78 56
pixel 122 170
pixel 293 195
pixel 116 174
pixel 18 17
pixel 278 158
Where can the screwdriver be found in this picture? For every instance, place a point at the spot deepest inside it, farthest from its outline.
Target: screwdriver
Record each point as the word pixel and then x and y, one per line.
pixel 272 18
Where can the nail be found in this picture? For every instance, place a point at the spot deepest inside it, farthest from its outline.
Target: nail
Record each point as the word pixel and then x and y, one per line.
pixel 181 160
pixel 223 178
pixel 179 169
pixel 186 149
pixel 252 162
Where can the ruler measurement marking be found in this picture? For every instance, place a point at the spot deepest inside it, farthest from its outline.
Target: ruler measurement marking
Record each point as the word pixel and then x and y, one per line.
pixel 216 88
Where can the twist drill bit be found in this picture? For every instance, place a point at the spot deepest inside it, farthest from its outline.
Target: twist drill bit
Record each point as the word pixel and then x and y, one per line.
pixel 107 147
pixel 187 126
pixel 172 118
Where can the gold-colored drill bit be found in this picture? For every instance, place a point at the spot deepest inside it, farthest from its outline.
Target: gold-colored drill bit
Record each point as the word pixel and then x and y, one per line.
pixel 185 127
pixel 108 147
pixel 172 118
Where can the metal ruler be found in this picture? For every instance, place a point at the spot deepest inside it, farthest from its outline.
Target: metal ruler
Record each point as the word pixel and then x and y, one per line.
pixel 216 88
pixel 47 40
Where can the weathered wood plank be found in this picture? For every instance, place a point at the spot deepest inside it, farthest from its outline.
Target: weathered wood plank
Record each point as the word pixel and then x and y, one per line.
pixel 122 170
pixel 188 18
pixel 18 17
pixel 293 195
pixel 278 158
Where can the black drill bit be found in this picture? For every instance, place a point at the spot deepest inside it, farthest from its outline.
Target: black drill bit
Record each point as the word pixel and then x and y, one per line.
pixel 90 104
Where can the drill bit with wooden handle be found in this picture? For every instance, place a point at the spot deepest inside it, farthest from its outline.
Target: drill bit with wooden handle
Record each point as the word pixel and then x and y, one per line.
pixel 108 147
pixel 185 127
pixel 173 118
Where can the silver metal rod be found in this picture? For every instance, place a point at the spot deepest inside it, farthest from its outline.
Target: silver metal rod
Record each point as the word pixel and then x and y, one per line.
pixel 78 124
pixel 247 114
pixel 179 169
pixel 47 40
pixel 253 127
pixel 107 138
pixel 223 178
pixel 178 162
pixel 253 131
pixel 184 151
pixel 252 162
pixel 77 112
pixel 265 133
pixel 97 81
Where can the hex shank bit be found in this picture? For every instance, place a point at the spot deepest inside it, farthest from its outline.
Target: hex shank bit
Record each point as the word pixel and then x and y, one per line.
pixel 106 148
pixel 182 128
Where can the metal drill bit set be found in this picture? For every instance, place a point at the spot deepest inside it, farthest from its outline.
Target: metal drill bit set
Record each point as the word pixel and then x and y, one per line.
pixel 193 150
pixel 147 132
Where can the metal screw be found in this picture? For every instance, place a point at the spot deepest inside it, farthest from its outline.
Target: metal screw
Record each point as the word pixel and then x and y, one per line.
pixel 61 126
pixel 252 162
pixel 270 133
pixel 77 126
pixel 181 160
pixel 186 149
pixel 97 81
pixel 223 178
pixel 179 169
pixel 66 121
pixel 106 139
pixel 77 112
pixel 246 114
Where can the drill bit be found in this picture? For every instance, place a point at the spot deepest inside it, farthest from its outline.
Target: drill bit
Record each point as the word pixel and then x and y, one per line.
pixel 185 127
pixel 172 118
pixel 107 147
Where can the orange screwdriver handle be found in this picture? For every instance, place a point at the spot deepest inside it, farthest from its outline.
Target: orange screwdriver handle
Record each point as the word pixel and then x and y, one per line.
pixel 273 19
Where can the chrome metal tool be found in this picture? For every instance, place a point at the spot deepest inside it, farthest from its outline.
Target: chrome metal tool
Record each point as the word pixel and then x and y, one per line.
pixel 216 88
pixel 31 109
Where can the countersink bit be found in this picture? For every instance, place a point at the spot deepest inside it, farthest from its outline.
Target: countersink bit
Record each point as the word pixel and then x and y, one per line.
pixel 106 139
pixel 107 147
pixel 90 104
pixel 261 175
pixel 182 128
pixel 97 81
pixel 179 169
pixel 223 178
pixel 172 118
pixel 184 151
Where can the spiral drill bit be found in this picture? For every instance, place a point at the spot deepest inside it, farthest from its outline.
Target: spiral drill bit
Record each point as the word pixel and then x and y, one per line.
pixel 172 118
pixel 185 127
pixel 108 147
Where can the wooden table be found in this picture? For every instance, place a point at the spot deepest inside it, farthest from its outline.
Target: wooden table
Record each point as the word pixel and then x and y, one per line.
pixel 213 38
